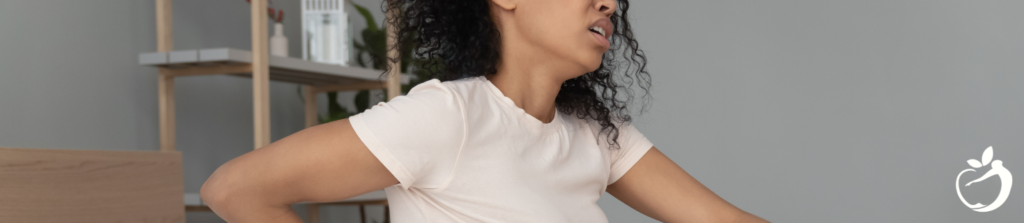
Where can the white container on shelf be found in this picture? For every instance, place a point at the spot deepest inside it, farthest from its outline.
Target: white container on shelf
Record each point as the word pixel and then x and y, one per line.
pixel 278 42
pixel 325 28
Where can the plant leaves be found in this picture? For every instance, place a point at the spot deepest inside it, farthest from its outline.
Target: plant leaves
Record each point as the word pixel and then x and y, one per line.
pixel 362 101
pixel 370 24
pixel 986 157
pixel 974 163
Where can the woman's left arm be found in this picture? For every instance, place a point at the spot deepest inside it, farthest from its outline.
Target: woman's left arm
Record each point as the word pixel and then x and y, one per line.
pixel 660 189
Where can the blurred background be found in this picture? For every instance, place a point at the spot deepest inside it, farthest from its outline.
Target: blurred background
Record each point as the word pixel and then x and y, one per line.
pixel 796 111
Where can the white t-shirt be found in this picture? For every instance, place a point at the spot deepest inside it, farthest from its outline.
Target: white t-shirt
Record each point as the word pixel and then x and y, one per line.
pixel 463 152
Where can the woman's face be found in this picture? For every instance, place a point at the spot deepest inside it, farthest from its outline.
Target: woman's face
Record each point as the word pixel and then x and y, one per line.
pixel 563 32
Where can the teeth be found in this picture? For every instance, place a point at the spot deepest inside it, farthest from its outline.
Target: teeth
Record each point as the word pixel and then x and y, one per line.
pixel 599 30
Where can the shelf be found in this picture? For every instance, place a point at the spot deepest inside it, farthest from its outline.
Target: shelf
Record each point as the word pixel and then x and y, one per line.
pixel 237 62
pixel 261 68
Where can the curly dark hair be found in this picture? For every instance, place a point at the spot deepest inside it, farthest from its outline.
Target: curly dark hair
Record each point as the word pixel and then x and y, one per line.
pixel 459 39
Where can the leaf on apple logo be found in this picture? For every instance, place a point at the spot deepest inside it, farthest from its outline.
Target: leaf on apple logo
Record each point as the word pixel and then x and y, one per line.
pixel 974 163
pixel 986 157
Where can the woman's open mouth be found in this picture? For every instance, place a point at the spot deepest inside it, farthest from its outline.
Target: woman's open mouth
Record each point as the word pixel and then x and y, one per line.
pixel 601 29
pixel 598 30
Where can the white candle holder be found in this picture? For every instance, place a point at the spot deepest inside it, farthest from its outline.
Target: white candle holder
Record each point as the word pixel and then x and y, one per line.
pixel 325 32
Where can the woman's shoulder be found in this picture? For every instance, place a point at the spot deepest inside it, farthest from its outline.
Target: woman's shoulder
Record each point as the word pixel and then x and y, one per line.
pixel 467 90
pixel 463 86
pixel 432 99
pixel 456 86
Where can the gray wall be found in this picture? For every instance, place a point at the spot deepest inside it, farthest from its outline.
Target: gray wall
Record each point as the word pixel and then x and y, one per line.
pixel 837 111
pixel 798 111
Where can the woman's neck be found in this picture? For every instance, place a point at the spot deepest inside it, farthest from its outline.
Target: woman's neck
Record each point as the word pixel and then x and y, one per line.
pixel 529 74
pixel 530 89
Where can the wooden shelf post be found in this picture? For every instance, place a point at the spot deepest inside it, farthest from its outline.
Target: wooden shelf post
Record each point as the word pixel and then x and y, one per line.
pixel 260 74
pixel 313 212
pixel 309 95
pixel 165 81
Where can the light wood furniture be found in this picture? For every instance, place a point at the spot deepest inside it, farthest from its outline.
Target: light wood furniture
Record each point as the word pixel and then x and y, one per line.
pixel 56 185
pixel 236 62
pixel 258 65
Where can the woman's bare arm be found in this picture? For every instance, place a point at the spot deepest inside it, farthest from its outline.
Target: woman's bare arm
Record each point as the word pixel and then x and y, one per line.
pixel 323 163
pixel 660 189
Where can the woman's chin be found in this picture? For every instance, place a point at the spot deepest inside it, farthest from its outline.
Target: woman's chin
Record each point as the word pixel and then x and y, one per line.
pixel 589 65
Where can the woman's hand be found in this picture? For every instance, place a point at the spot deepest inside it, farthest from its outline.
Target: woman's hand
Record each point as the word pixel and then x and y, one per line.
pixel 323 163
pixel 660 189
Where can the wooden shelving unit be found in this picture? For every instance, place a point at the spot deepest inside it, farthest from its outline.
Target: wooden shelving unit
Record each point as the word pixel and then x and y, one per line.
pixel 319 76
pixel 258 65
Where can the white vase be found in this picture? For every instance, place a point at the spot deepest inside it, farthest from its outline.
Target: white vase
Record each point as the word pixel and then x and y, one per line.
pixel 278 43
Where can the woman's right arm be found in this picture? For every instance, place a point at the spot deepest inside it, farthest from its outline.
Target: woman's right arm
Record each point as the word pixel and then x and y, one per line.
pixel 323 163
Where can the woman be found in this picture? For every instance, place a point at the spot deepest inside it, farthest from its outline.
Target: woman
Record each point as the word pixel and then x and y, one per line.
pixel 526 126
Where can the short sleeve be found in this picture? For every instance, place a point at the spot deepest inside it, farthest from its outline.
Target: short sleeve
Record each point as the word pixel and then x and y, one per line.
pixel 632 146
pixel 418 137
